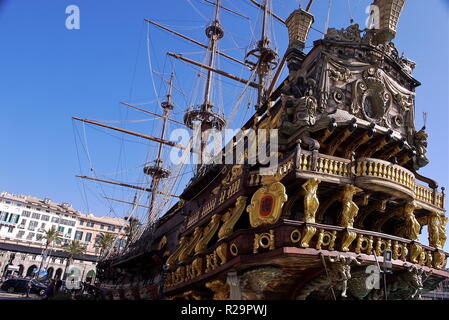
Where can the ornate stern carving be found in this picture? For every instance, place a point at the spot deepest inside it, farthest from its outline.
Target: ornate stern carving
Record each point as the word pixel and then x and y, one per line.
pixel 338 275
pixel 219 288
pixel 420 142
pixel 266 204
pixel 256 281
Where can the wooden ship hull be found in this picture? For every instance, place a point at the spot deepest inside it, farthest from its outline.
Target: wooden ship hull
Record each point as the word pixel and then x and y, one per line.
pixel 346 191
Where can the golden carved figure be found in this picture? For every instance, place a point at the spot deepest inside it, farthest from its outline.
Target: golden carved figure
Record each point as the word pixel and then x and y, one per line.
pixel 311 202
pixel 350 208
pixel 442 230
pixel 412 226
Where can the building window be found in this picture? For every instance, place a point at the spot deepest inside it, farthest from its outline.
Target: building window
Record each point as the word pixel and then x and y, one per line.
pixel 3 216
pixel 30 235
pixel 39 237
pixel 91 224
pixel 35 215
pixel 43 225
pixel 69 231
pixel 23 222
pixel 78 235
pixel 20 234
pixel 10 229
pixel 102 227
pixel 88 237
pixel 13 218
pixel 81 222
pixel 45 217
pixel 61 229
pixel 111 228
pixel 18 204
pixel 26 213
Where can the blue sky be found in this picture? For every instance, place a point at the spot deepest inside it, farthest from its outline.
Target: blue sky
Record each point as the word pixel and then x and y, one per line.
pixel 49 74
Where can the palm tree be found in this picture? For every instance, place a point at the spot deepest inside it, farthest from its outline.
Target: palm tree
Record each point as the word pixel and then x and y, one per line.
pixel 50 236
pixel 72 249
pixel 131 228
pixel 104 241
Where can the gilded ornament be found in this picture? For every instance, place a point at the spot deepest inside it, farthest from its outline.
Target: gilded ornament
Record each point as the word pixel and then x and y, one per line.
pixel 208 233
pixel 231 217
pixel 327 239
pixel 364 244
pixel 412 226
pixel 399 251
pixel 266 204
pixel 311 202
pixel 439 259
pixel 348 238
pixel 350 208
pixel 222 252
pixel 234 250
pixel 189 248
pixel 263 240
pixel 295 236
pixel 415 252
pixel 308 233
pixel 174 257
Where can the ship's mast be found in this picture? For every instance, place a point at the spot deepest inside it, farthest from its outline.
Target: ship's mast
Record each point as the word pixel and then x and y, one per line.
pixel 204 113
pixel 157 171
pixel 262 58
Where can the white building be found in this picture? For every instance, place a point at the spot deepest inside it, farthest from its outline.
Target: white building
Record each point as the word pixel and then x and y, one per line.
pixel 27 218
pixel 23 222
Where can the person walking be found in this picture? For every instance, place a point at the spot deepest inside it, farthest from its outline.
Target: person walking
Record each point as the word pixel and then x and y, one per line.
pixel 58 285
pixel 50 291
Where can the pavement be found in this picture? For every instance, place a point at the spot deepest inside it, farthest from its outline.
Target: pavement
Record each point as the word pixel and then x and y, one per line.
pixel 17 296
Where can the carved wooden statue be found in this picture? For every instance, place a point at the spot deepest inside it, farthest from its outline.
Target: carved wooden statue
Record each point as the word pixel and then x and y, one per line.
pixel 412 226
pixel 350 208
pixel 311 202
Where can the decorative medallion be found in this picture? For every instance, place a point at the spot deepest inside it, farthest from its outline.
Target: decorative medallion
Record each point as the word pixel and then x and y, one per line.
pixel 266 204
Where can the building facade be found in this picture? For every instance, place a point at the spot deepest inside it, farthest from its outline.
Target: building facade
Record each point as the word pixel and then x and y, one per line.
pixel 23 223
pixel 91 227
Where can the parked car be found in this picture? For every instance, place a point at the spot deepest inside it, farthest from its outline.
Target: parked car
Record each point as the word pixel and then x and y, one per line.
pixel 21 285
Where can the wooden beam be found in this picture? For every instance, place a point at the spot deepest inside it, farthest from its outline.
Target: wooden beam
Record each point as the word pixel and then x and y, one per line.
pixel 232 11
pixel 126 185
pixel 195 42
pixel 223 73
pixel 270 12
pixel 149 112
pixel 140 135
pixel 127 202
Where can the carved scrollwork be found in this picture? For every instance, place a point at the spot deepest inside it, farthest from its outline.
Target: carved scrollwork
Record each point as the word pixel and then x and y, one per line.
pixel 266 204
pixel 231 217
pixel 350 34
